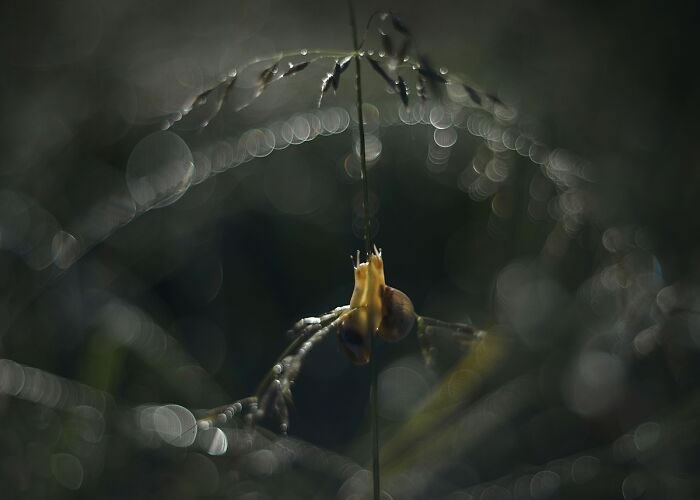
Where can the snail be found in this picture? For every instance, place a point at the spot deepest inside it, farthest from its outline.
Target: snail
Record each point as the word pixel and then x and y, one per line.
pixel 376 308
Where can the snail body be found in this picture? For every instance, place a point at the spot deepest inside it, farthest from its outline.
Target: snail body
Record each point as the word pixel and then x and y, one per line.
pixel 376 308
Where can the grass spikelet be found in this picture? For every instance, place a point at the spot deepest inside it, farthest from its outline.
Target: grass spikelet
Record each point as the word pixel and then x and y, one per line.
pixel 378 68
pixel 387 43
pixel 295 68
pixel 332 79
pixel 399 25
pixel 495 99
pixel 473 94
pixel 326 84
pixel 265 78
pixel 339 69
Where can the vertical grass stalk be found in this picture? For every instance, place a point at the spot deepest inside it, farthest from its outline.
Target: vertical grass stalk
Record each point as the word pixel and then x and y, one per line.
pixel 368 247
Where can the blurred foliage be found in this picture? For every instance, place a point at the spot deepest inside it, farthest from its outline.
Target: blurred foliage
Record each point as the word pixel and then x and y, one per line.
pixel 141 268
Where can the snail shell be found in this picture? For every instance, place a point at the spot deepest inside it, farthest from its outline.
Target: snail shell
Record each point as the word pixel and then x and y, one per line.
pixel 398 315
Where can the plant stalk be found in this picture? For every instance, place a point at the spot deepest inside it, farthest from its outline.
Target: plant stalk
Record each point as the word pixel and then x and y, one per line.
pixel 376 489
pixel 361 126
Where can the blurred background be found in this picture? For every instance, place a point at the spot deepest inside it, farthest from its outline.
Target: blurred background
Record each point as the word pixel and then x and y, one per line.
pixel 142 267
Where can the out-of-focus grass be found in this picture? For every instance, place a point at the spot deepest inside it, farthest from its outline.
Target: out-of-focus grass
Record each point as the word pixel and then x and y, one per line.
pixel 589 388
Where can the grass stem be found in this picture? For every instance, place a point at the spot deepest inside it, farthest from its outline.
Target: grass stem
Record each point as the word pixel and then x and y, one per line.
pixel 376 489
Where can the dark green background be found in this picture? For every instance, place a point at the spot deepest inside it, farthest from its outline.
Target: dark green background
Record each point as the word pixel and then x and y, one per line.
pixel 83 82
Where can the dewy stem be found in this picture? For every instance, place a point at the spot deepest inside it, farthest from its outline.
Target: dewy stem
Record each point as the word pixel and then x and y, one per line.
pixel 361 126
pixel 368 248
